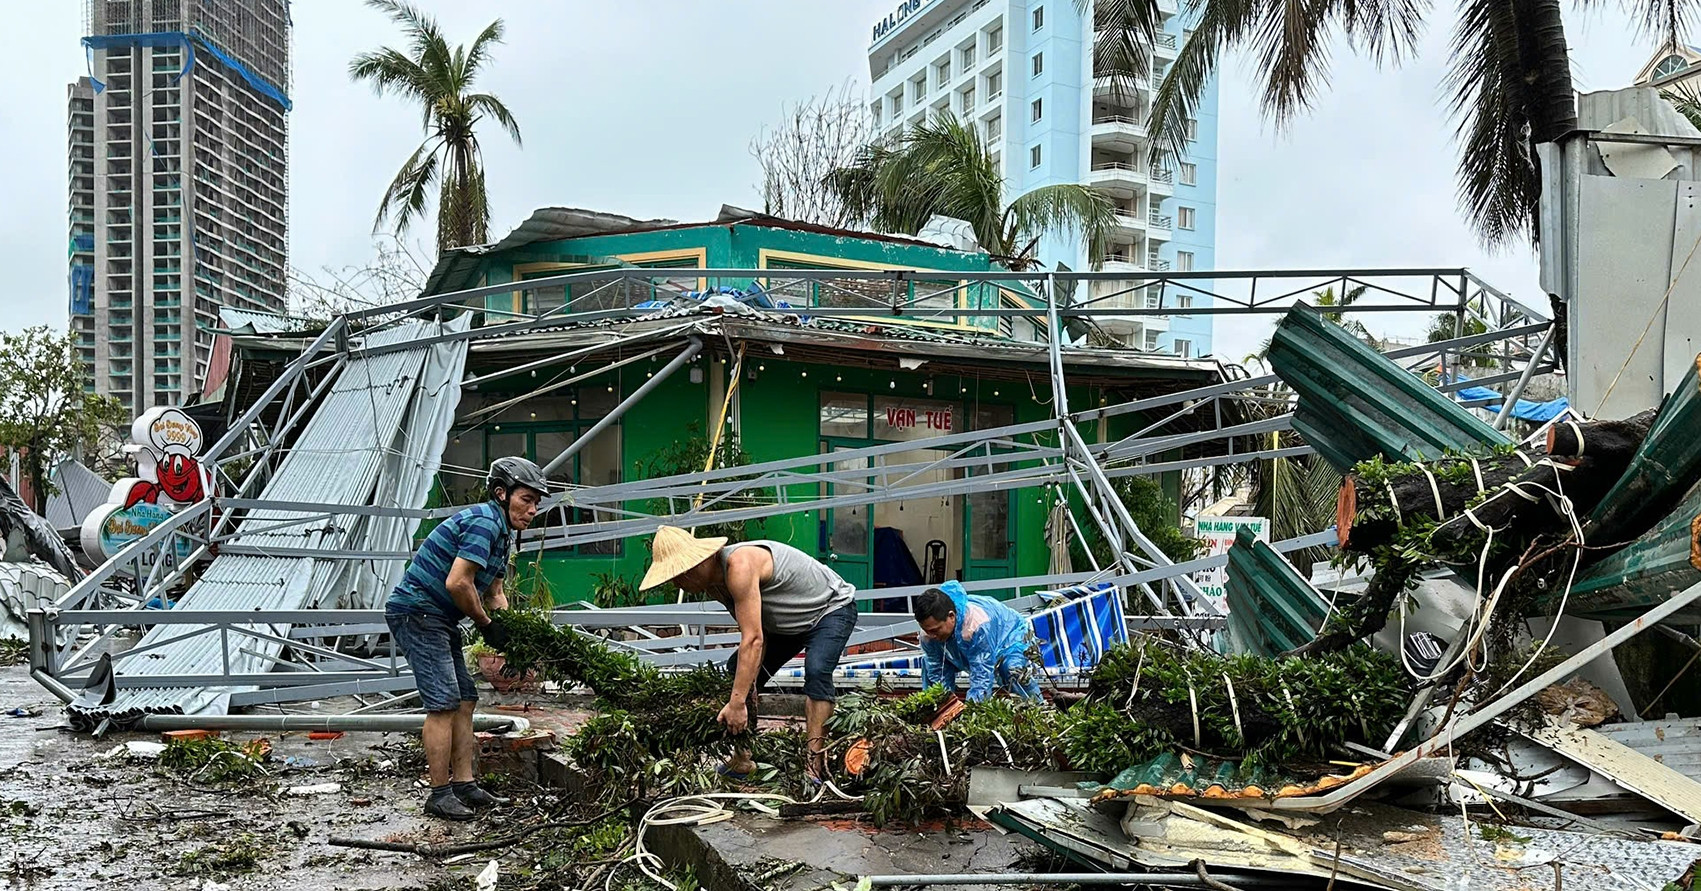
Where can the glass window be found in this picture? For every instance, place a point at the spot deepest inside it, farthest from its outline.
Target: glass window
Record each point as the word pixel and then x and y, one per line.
pixel 1189 174
pixel 1038 107
pixel 989 525
pixel 1034 156
pixel 994 85
pixel 1039 17
pixel 844 414
pixel 1039 64
pixel 994 40
pixel 1184 263
pixel 1184 348
pixel 1184 217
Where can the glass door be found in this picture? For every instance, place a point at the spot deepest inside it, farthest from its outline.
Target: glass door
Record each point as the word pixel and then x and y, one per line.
pixel 848 532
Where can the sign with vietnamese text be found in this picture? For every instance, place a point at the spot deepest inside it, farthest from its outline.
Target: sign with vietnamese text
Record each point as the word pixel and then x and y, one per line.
pixel 905 419
pixel 1218 534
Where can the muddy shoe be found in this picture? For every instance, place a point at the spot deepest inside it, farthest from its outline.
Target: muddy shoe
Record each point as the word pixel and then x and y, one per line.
pixel 475 797
pixel 448 805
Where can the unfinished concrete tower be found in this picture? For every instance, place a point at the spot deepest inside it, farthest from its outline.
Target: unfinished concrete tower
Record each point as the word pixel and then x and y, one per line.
pixel 179 169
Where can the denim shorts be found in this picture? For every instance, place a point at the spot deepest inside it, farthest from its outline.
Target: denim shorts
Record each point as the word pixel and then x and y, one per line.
pixel 432 646
pixel 822 646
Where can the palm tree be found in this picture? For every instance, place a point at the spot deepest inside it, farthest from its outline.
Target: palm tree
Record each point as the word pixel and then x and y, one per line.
pixel 440 79
pixel 1687 100
pixel 942 168
pixel 1510 79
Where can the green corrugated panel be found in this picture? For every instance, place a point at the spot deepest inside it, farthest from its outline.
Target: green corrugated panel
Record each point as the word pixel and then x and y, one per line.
pixel 1642 575
pixel 1272 608
pixel 1355 404
pixel 1666 466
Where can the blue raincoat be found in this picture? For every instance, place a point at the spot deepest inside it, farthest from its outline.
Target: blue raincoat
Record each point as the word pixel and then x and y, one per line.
pixel 990 642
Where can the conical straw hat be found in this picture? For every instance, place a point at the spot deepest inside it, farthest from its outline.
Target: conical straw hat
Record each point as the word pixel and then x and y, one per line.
pixel 675 551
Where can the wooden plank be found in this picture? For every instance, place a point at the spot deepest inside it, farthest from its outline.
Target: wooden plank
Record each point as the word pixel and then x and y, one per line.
pixel 1626 767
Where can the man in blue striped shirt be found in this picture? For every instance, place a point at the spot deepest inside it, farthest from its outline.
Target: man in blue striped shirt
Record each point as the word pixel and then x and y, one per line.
pixel 466 555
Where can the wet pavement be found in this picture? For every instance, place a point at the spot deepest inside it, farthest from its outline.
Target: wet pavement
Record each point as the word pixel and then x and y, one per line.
pixel 73 819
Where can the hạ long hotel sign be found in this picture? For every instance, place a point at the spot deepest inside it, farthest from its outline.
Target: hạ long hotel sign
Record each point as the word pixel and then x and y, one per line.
pixel 896 17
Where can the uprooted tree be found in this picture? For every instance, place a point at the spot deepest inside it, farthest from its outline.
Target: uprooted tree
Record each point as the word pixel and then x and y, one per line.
pixel 1266 717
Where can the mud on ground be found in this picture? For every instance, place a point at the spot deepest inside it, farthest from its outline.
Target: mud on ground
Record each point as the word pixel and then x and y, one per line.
pixel 71 818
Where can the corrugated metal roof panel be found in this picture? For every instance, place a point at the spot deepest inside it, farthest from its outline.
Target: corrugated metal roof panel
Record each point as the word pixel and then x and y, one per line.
pixel 1674 742
pixel 360 430
pixel 80 490
pixel 1355 403
pixel 1272 608
pixel 1625 766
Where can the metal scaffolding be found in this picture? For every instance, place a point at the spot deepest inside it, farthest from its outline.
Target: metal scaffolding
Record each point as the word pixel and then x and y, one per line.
pixel 275 656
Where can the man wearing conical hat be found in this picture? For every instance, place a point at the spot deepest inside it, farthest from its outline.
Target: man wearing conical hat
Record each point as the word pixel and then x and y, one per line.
pixel 785 602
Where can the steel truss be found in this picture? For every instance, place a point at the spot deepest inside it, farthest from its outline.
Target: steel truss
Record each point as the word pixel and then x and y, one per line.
pixel 329 652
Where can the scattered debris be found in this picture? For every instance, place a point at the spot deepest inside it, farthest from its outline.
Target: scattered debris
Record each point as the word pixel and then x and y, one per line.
pixel 316 789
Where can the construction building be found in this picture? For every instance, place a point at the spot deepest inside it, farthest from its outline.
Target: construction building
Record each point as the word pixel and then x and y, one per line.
pixel 1022 72
pixel 179 170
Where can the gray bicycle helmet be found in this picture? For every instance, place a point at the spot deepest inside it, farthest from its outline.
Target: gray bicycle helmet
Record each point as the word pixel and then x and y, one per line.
pixel 507 473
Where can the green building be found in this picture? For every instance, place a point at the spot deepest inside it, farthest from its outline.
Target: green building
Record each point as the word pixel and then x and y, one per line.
pixel 778 386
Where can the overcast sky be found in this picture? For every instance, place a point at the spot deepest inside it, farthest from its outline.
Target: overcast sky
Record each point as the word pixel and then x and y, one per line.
pixel 647 107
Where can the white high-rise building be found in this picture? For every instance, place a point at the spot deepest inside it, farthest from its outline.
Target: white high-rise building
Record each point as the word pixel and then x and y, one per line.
pixel 179 176
pixel 1021 70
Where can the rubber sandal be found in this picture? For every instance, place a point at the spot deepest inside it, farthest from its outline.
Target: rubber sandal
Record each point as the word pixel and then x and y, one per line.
pixel 737 776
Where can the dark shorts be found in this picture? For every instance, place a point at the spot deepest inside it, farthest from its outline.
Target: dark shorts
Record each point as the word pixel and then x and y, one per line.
pixel 822 646
pixel 432 646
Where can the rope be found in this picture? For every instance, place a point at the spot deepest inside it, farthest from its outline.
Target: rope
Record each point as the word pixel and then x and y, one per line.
pixel 943 756
pixel 1234 704
pixel 692 810
pixel 1435 490
pixel 1193 698
pixel 1299 726
pixel 1398 519
pixel 1577 432
pixel 1476 470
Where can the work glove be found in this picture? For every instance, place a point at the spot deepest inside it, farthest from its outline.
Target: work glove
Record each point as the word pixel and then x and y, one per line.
pixel 495 635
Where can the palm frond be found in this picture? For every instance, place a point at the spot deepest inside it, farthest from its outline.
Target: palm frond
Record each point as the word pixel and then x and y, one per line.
pixel 1687 100
pixel 1498 183
pixel 1123 32
pixel 405 198
pixel 1176 101
pixel 389 71
pixel 490 105
pixel 422 29
pixel 478 52
pixel 1058 210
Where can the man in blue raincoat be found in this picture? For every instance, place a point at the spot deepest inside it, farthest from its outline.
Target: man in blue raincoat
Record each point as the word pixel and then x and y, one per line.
pixel 968 632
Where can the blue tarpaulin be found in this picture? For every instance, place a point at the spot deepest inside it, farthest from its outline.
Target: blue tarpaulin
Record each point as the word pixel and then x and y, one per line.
pixel 188 41
pixel 1072 634
pixel 1523 409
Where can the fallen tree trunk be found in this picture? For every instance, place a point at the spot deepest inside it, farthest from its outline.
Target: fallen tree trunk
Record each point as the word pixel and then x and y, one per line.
pixel 1611 440
pixel 1369 515
pixel 1530 505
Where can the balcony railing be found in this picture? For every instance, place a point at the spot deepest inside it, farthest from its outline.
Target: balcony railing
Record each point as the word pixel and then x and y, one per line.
pixel 1163 175
pixel 1116 119
pixel 1155 264
pixel 1167 41
pixel 1161 221
pixel 1128 220
pixel 1115 165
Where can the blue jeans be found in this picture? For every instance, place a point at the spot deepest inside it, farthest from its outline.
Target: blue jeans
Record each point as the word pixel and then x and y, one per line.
pixel 432 645
pixel 822 646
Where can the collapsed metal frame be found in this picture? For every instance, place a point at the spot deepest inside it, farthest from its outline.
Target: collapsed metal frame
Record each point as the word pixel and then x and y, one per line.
pixel 1053 454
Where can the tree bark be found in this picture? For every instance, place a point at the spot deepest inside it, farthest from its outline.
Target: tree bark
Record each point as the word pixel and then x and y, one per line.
pixel 1415 499
pixel 1550 103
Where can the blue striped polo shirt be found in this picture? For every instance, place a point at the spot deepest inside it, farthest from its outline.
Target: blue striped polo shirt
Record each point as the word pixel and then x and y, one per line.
pixel 478 534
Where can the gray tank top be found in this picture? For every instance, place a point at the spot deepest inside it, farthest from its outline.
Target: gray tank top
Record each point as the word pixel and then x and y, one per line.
pixel 801 592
